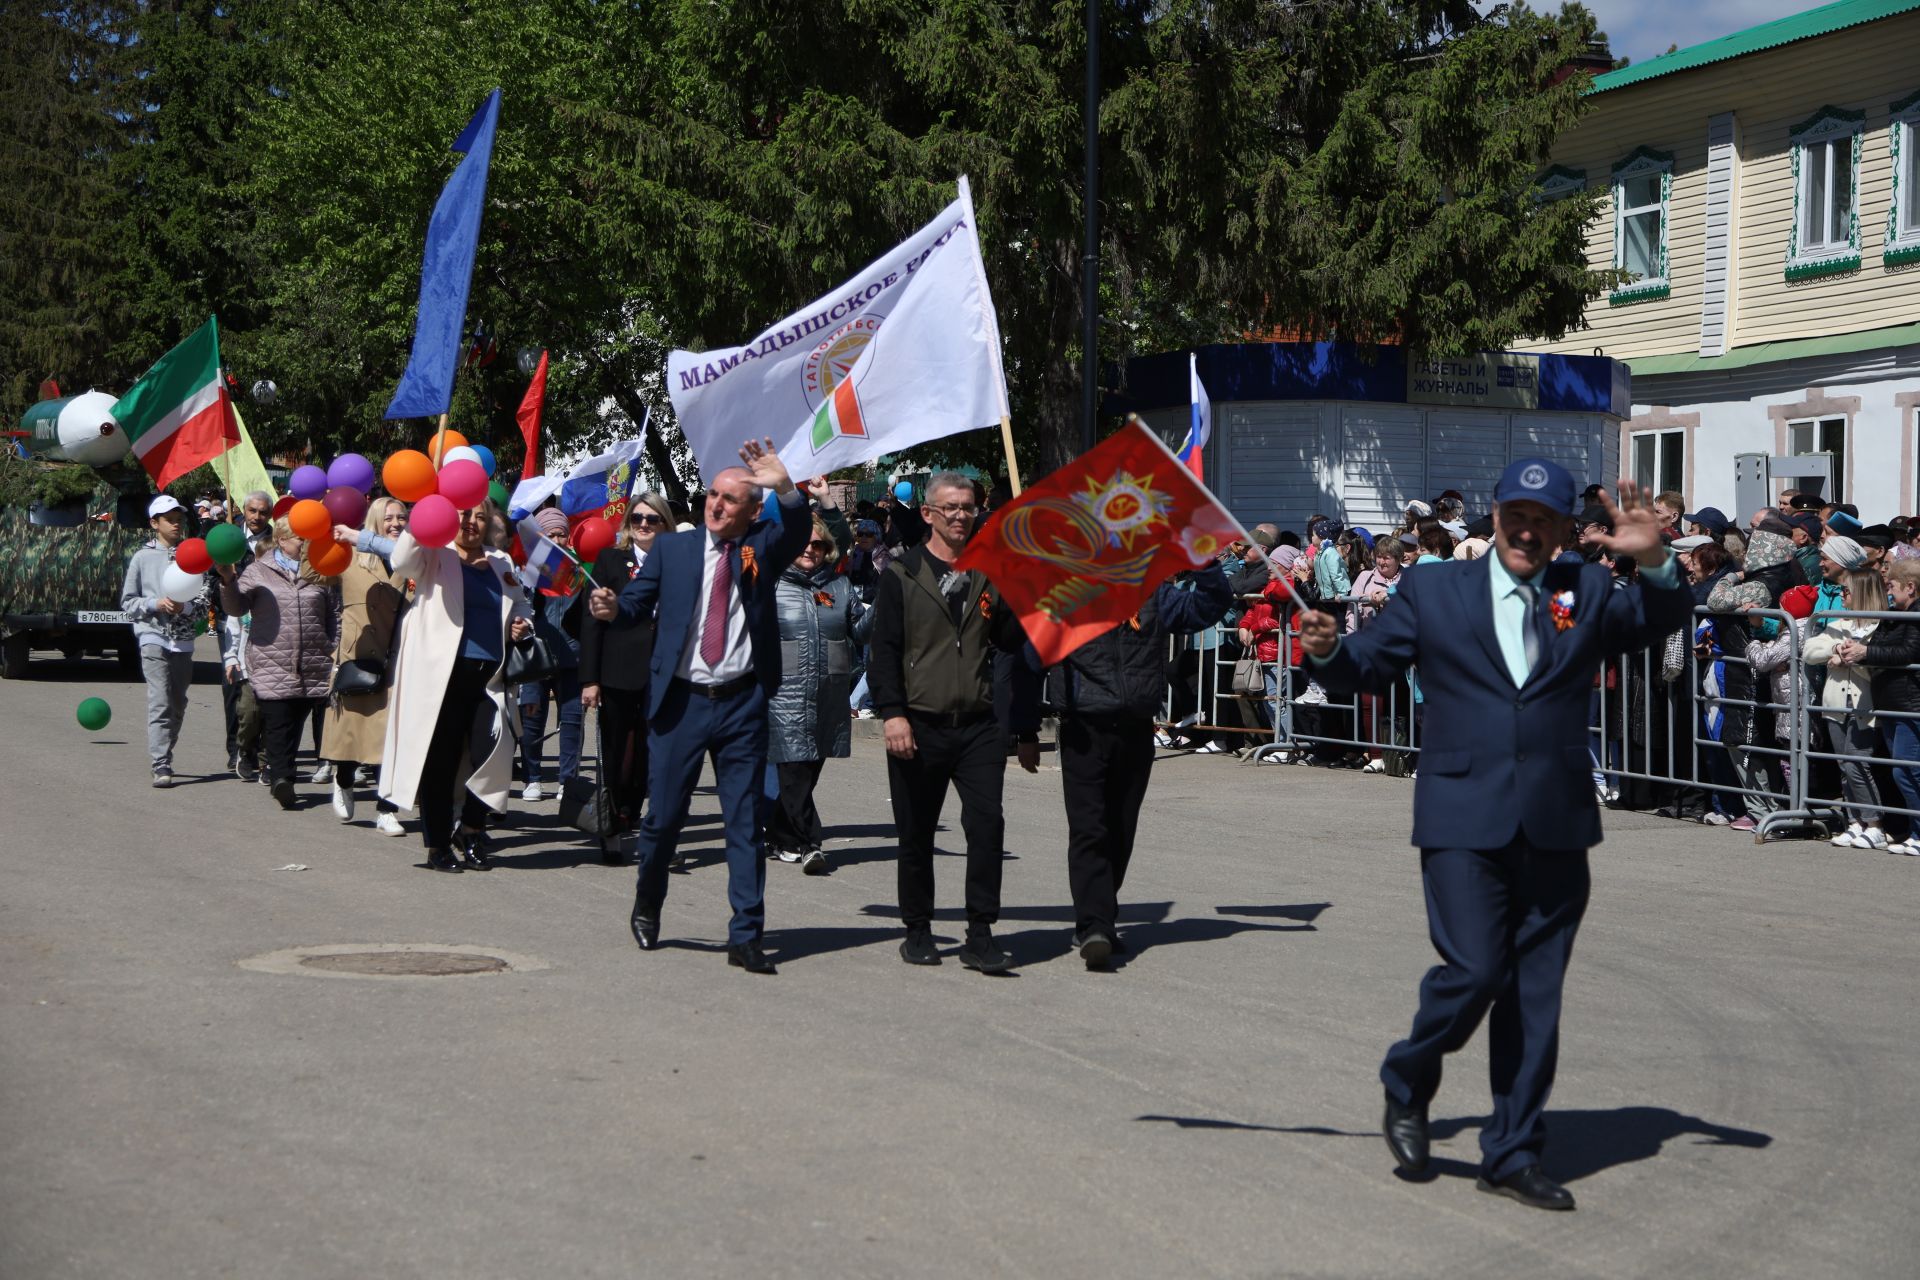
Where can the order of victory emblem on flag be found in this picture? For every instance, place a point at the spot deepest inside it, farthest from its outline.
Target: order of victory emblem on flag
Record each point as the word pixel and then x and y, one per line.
pixel 1082 550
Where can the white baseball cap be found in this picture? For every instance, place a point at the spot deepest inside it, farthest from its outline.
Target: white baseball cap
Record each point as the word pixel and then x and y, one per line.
pixel 161 505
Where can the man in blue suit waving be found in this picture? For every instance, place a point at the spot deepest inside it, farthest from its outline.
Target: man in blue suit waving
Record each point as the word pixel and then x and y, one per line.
pixel 1503 808
pixel 716 664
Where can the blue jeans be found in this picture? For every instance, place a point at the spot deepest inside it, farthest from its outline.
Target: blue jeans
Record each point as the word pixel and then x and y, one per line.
pixel 565 688
pixel 1903 743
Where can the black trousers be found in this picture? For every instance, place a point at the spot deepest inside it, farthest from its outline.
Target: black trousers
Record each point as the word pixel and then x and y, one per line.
pixel 1104 765
pixel 973 757
pixel 794 821
pixel 623 742
pixel 464 698
pixel 280 723
pixel 1503 921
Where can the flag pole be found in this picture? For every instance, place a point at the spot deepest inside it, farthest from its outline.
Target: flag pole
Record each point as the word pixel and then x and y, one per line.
pixel 1006 442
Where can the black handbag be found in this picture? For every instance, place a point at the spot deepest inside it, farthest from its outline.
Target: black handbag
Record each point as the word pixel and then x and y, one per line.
pixel 587 806
pixel 530 661
pixel 361 675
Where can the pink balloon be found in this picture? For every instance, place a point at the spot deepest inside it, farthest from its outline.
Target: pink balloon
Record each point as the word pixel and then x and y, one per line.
pixel 434 521
pixel 463 483
pixel 346 505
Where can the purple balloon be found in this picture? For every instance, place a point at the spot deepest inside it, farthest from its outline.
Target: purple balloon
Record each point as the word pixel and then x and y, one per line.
pixel 351 471
pixel 307 482
pixel 346 505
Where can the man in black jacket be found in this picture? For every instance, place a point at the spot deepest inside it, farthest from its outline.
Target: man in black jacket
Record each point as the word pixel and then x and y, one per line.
pixel 1108 692
pixel 931 675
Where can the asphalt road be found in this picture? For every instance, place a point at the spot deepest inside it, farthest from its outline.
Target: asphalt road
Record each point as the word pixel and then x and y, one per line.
pixel 1735 1094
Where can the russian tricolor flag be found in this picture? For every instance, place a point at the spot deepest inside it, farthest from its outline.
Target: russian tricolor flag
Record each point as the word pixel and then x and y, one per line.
pixel 1190 449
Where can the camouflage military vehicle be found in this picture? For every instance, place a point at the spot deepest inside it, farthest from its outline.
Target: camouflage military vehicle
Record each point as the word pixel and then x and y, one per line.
pixel 60 582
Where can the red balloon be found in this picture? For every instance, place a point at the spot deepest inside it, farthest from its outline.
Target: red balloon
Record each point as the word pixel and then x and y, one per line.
pixel 346 505
pixel 592 536
pixel 433 521
pixel 463 483
pixel 193 556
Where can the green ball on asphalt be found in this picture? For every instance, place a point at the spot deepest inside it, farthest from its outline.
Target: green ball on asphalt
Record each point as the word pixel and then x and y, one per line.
pixel 93 714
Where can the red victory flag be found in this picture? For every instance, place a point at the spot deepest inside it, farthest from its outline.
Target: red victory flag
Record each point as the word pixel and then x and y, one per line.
pixel 1082 550
pixel 529 415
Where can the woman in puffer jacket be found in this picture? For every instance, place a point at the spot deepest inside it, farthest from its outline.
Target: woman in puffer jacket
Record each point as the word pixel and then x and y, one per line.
pixel 289 646
pixel 1769 569
pixel 1892 653
pixel 1847 705
pixel 821 619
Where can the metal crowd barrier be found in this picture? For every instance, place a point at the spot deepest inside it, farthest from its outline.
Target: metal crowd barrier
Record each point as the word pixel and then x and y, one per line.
pixel 1651 723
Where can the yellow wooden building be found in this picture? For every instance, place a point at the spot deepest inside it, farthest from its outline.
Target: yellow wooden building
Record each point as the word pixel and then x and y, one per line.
pixel 1764 192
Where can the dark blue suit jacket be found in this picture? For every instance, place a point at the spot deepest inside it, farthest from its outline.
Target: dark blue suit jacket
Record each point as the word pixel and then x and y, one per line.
pixel 1495 760
pixel 667 589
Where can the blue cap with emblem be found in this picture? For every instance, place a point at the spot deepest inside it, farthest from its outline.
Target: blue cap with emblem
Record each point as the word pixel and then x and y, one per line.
pixel 1538 480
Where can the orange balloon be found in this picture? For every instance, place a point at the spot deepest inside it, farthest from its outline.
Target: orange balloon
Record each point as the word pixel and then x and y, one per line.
pixel 409 475
pixel 310 519
pixel 443 441
pixel 329 558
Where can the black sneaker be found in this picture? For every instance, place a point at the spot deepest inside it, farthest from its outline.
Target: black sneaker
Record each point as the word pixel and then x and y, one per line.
pixel 919 948
pixel 282 791
pixel 1094 946
pixel 247 771
pixel 981 953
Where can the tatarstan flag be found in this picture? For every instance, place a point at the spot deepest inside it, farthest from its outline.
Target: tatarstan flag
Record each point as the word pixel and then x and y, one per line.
pixel 178 415
pixel 838 415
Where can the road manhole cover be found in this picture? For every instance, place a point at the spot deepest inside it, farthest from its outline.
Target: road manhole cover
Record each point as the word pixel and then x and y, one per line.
pixel 392 960
pixel 418 964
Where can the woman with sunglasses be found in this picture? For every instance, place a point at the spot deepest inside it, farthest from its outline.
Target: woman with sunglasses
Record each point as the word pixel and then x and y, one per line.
pixel 614 670
pixel 821 619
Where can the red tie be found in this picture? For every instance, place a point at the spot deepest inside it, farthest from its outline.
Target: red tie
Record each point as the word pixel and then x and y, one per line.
pixel 713 634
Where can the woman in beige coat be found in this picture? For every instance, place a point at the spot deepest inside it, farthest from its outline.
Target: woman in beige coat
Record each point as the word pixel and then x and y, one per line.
pixel 371 597
pixel 451 725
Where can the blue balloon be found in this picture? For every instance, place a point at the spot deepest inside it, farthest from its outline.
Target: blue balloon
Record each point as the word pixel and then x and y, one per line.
pixel 903 491
pixel 486 458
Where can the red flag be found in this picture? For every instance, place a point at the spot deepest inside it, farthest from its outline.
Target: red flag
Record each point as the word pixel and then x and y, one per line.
pixel 529 415
pixel 1081 551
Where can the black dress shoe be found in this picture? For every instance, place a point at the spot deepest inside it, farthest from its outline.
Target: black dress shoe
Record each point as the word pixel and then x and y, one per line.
pixel 441 860
pixel 646 926
pixel 1530 1187
pixel 282 792
pixel 749 956
pixel 1406 1130
pixel 1094 946
pixel 473 851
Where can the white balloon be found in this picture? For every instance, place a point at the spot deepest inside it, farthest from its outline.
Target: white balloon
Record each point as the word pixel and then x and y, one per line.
pixel 179 585
pixel 458 452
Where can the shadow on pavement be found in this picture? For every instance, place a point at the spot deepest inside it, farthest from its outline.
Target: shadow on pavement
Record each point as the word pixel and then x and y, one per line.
pixel 1580 1143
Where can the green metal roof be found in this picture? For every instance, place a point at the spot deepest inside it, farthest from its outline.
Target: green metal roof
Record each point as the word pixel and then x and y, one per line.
pixel 1800 26
pixel 1839 344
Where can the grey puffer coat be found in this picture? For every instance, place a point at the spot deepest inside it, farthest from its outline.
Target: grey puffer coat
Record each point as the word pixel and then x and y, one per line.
pixel 821 619
pixel 290 641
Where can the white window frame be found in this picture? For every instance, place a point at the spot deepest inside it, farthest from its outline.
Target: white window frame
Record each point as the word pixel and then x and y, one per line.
pixel 1558 183
pixel 1903 208
pixel 1640 163
pixel 1836 490
pixel 1811 139
pixel 1660 440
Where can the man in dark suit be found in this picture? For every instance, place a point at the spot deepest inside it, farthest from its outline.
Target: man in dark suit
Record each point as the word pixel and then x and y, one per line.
pixel 1503 808
pixel 715 665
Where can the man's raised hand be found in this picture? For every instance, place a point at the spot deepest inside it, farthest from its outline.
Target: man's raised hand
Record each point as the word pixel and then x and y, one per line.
pixel 764 465
pixel 1636 527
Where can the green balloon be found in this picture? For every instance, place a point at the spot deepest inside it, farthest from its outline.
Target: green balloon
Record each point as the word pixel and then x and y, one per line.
pixel 498 492
pixel 226 543
pixel 93 714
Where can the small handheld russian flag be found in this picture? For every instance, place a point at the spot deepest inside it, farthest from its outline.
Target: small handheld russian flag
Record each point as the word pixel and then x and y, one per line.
pixel 1198 433
pixel 549 565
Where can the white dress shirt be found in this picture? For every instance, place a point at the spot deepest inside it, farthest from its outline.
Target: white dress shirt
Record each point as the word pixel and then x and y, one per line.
pixel 738 659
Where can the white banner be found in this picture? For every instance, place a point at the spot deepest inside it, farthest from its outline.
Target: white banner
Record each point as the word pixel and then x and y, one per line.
pixel 905 352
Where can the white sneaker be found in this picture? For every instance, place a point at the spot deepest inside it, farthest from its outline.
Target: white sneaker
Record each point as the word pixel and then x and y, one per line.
pixel 389 824
pixel 533 792
pixel 343 802
pixel 1911 848
pixel 1871 838
pixel 864 713
pixel 1715 818
pixel 322 774
pixel 786 855
pixel 1847 839
pixel 1210 749
pixel 1160 739
pixel 1374 766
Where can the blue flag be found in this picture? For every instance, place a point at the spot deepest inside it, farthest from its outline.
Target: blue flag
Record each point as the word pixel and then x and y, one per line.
pixel 446 273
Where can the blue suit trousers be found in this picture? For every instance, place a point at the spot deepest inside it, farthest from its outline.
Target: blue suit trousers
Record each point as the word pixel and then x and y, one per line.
pixel 688 728
pixel 1503 921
